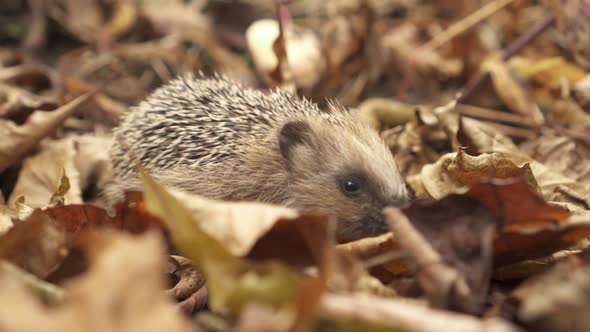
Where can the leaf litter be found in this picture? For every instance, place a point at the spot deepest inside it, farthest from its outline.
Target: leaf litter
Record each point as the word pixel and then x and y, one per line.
pixel 485 108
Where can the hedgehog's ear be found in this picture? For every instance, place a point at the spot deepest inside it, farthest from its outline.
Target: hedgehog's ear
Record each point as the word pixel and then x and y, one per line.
pixel 292 134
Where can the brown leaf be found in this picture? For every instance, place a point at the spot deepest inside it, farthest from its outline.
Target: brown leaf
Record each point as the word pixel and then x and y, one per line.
pixel 131 216
pixel 128 267
pixel 530 242
pixel 515 206
pixel 255 229
pixel 37 245
pixel 42 174
pixel 556 300
pixel 18 104
pixel 510 91
pixel 18 140
pixel 83 19
pixel 458 170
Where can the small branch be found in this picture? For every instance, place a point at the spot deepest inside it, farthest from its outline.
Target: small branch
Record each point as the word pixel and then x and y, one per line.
pixel 405 316
pixel 493 115
pixel 515 47
pixel 513 131
pixel 466 23
pixel 439 281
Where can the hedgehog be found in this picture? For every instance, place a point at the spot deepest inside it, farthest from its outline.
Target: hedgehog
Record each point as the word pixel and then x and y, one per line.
pixel 213 137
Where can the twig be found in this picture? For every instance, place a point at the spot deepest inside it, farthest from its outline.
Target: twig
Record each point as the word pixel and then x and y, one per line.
pixel 517 45
pixel 493 115
pixel 466 23
pixel 439 281
pixel 513 131
pixel 405 316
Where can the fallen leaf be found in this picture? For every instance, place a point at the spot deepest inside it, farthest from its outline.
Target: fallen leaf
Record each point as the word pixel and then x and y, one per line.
pixel 133 301
pixel 83 19
pixel 18 104
pixel 461 231
pixel 42 174
pixel 303 52
pixel 510 90
pixel 530 242
pixel 37 245
pixel 232 282
pixel 382 113
pixel 548 71
pixel 18 140
pixel 458 170
pixel 515 205
pixel 556 300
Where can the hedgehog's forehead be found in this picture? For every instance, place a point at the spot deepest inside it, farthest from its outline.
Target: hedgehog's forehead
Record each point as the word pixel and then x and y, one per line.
pixel 359 149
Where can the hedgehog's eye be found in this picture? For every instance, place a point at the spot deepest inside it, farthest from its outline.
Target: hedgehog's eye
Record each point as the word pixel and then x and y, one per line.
pixel 351 185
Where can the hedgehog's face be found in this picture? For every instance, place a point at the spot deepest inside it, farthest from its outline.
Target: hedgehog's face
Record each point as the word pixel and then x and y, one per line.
pixel 347 172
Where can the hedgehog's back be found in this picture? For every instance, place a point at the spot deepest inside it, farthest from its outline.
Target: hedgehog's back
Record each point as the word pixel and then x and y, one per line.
pixel 191 122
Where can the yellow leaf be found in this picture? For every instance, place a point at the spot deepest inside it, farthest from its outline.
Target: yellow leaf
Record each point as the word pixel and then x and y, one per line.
pixel 510 91
pixel 233 282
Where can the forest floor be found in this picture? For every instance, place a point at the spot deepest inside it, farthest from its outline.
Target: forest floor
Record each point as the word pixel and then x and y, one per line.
pixel 485 106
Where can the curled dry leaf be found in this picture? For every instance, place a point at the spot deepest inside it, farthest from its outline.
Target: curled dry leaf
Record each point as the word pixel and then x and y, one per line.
pixel 232 282
pixel 20 139
pixel 254 230
pixel 190 280
pixel 404 45
pixel 510 90
pixel 561 154
pixel 42 175
pixel 382 113
pixel 18 103
pixel 454 171
pixel 304 56
pixel 83 19
pixel 515 205
pixel 37 245
pixel 547 71
pixel 569 114
pixel 136 294
pixel 175 15
pixel 524 243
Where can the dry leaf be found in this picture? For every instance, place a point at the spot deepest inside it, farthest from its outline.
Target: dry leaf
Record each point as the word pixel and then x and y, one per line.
pixel 20 139
pixel 37 245
pixel 382 113
pixel 556 300
pixel 233 282
pixel 548 71
pixel 304 56
pixel 130 268
pixel 458 170
pixel 18 103
pixel 510 90
pixel 41 175
pixel 82 18
pixel 531 242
